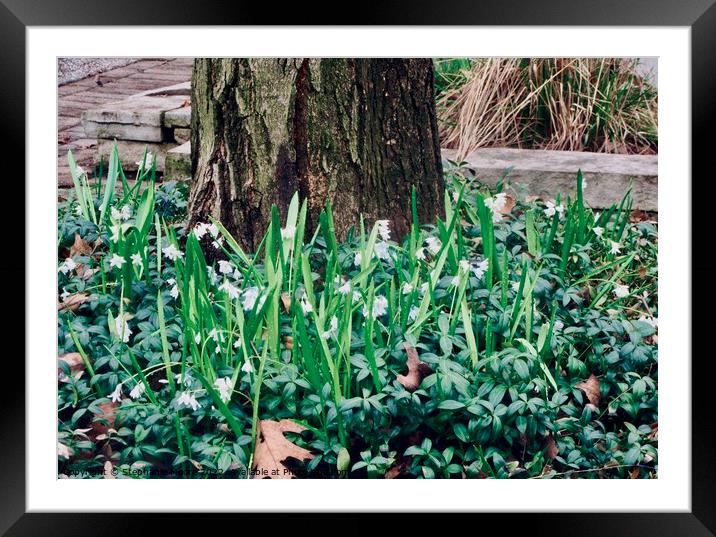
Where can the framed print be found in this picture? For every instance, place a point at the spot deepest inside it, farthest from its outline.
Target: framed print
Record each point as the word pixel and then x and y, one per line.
pixel 384 267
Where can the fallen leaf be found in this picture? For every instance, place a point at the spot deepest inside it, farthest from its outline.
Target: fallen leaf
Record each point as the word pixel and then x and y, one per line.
pixel 590 387
pixel 74 360
pixel 550 449
pixel 508 206
pixel 272 449
pixel 185 103
pixel 72 302
pixel 417 369
pixel 642 272
pixel 286 299
pixel 104 420
pixel 80 246
pixel 288 343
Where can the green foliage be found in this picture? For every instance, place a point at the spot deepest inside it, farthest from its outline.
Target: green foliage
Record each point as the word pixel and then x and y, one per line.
pixel 510 313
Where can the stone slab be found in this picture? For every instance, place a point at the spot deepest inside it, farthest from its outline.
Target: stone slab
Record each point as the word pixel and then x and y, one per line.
pixel 179 117
pixel 178 163
pixel 182 88
pixel 131 152
pixel 140 110
pixel 546 173
pixel 181 135
pixel 123 131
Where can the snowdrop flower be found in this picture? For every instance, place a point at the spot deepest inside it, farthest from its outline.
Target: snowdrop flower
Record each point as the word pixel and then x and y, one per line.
pixel 455 196
pixel 288 232
pixel 248 299
pixel 230 290
pixel 464 265
pixel 217 243
pixel 174 292
pixel 65 294
pixel 223 385
pixel 420 254
pixel 225 267
pixel 197 338
pixel 146 163
pixel 356 296
pixel 434 245
pixel 515 286
pixel 187 379
pixel 63 451
pixel 115 233
pixel 480 268
pixel 237 343
pixel 213 229
pixel 116 395
pixel 124 214
pixel 247 368
pixel 641 242
pixel 358 259
pixel 380 307
pixel 384 229
pixel 424 288
pixel 213 276
pixel 67 266
pixel 653 321
pixel 200 230
pixel 345 288
pixel 78 210
pixel 138 390
pixel 137 259
pixel 381 250
pixel 333 330
pixel 598 231
pixel 122 328
pixel 305 304
pixel 413 313
pixel 115 214
pixel 116 261
pixel 172 252
pixel 552 208
pixel 620 291
pixel 558 325
pixel 455 281
pixel 615 247
pixel 407 288
pixel 188 400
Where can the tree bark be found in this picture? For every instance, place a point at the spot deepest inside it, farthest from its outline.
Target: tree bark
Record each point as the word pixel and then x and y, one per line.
pixel 360 132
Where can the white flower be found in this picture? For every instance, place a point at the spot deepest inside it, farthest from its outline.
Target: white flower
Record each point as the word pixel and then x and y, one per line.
pixel 455 281
pixel 381 250
pixel 420 254
pixel 63 451
pixel 306 305
pixel 115 214
pixel 122 328
pixel 641 241
pixel 124 214
pixel 653 321
pixel 197 338
pixel 345 288
pixel 188 400
pixel 172 252
pixel 230 290
pixel 116 261
pixel 225 388
pixel 213 229
pixel 479 269
pixel 407 288
pixel 116 395
pixel 237 343
pixel 424 288
pixel 67 266
pixel 357 259
pixel 146 163
pixel 455 196
pixel 246 368
pixel 558 325
pixel 333 330
pixel 384 229
pixel 237 274
pixel 620 291
pixel 584 183
pixel 213 277
pixel 515 286
pixel 78 210
pixel 200 230
pixel 552 208
pixel 217 243
pixel 434 245
pixel 138 390
pixel 65 294
pixel 225 267
pixel 356 296
pixel 187 379
pixel 115 233
pixel 464 265
pixel 413 313
pixel 598 231
pixel 214 334
pixel 137 259
pixel 248 298
pixel 288 232
pixel 380 307
pixel 615 247
pixel 174 292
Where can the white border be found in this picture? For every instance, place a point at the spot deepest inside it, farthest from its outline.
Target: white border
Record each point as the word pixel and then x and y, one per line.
pixel 671 491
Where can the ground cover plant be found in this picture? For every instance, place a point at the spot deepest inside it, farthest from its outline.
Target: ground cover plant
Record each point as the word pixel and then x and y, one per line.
pixel 515 338
pixel 573 104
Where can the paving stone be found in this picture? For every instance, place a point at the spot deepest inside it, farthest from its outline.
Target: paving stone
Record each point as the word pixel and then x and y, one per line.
pixel 181 135
pixel 178 163
pixel 545 173
pixel 179 117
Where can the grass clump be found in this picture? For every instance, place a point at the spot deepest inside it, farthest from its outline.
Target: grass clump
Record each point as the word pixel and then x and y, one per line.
pixel 511 339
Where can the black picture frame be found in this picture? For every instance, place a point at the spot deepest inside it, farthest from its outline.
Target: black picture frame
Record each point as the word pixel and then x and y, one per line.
pixel 699 15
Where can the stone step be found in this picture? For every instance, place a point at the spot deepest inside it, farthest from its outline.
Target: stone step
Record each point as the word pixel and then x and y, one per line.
pixel 545 173
pixel 177 165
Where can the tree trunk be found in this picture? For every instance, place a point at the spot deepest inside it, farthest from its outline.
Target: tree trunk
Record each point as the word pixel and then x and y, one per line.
pixel 360 132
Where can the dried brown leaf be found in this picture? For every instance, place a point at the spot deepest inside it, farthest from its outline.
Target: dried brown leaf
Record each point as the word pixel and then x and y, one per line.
pixel 590 387
pixel 80 246
pixel 417 369
pixel 288 343
pixel 74 360
pixel 508 206
pixel 272 449
pixel 72 302
pixel 550 450
pixel 104 420
pixel 286 300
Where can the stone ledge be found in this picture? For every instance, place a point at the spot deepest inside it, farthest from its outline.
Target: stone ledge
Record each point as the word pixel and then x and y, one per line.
pixel 545 173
